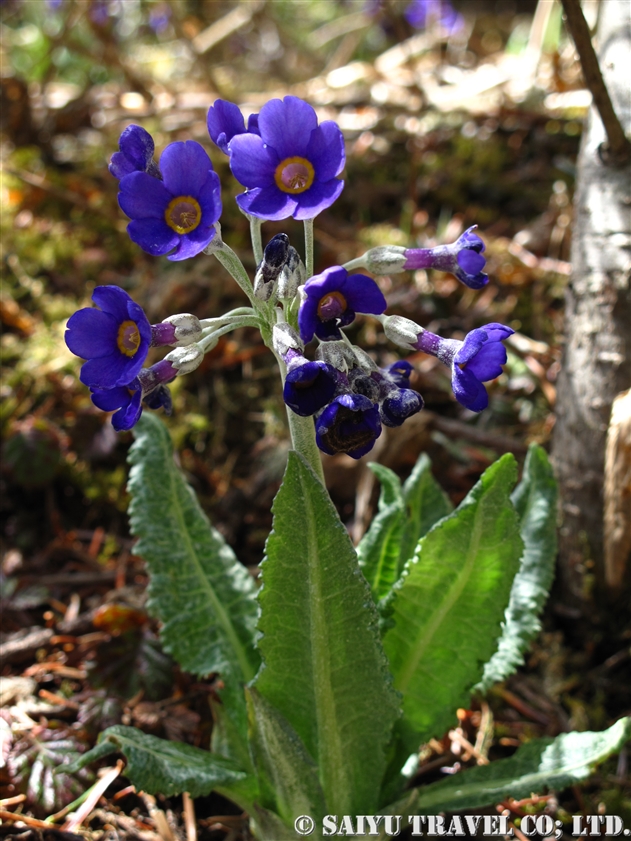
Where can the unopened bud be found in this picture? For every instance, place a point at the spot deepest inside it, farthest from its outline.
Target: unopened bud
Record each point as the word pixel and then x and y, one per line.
pixel 268 270
pixel 275 255
pixel 402 331
pixel 292 275
pixel 185 359
pixel 285 338
pixel 385 259
pixel 186 329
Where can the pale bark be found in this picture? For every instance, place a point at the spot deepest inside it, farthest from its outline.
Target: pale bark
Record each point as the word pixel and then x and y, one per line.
pixel 596 363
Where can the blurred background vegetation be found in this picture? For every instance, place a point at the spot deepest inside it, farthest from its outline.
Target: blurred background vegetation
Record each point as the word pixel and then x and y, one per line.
pixel 454 114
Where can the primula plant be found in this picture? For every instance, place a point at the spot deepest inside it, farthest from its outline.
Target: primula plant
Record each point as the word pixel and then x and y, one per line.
pixel 342 662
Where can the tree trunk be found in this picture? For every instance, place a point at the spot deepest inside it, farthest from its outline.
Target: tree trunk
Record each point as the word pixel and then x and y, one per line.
pixel 596 363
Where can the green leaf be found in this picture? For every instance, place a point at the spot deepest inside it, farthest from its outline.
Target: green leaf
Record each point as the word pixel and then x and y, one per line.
pixel 449 603
pixel 324 669
pixel 265 825
pixel 426 503
pixel 541 764
pixel 378 550
pixel 404 516
pixel 288 776
pixel 204 597
pixel 535 499
pixel 161 767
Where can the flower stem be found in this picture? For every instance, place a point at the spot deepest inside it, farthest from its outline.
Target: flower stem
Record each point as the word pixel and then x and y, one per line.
pixel 223 319
pixel 236 269
pixel 308 226
pixel 302 432
pixel 255 236
pixel 211 336
pixel 357 263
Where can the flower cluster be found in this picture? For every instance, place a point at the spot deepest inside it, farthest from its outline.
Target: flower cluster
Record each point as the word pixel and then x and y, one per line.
pixel 347 393
pixel 290 165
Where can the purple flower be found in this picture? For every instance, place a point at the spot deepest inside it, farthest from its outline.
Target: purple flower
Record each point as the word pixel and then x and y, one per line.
pixel 462 258
pixel 332 299
pixel 225 121
pixel 124 401
pixel 309 386
pixel 160 399
pixel 136 154
pixel 100 12
pixel 114 339
pixel 390 388
pixel 290 168
pixel 423 13
pixel 400 405
pixel 159 17
pixel 474 361
pixel 178 212
pixel 350 424
pixel 399 372
pixel 398 401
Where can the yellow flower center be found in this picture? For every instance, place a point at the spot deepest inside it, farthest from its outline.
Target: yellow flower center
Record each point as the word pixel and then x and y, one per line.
pixel 294 175
pixel 331 305
pixel 128 339
pixel 183 214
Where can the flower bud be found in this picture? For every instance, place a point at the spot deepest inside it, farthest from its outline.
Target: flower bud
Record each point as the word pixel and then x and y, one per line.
pixel 292 275
pixel 268 270
pixel 185 359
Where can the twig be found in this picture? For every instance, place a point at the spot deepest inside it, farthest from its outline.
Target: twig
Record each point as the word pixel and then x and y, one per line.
pixel 12 801
pixel 18 817
pixel 86 803
pixel 158 817
pixel 462 740
pixel 189 817
pixel 618 150
pixel 22 646
pixel 225 26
